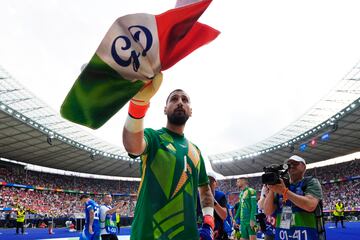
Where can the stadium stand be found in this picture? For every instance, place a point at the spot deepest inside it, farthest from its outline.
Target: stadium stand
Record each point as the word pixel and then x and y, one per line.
pixel 35 128
pixel 56 196
pixel 46 195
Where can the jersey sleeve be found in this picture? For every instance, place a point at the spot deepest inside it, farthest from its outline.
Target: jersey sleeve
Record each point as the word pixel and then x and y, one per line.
pixel 314 189
pixel 203 178
pixel 90 206
pixel 149 135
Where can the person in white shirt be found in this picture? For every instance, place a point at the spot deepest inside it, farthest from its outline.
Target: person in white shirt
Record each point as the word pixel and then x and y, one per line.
pixel 108 227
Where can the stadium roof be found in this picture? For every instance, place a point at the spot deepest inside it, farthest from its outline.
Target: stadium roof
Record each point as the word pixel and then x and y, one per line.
pixel 32 132
pixel 336 114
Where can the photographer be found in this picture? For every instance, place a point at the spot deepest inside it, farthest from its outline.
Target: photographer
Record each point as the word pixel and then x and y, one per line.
pixel 297 207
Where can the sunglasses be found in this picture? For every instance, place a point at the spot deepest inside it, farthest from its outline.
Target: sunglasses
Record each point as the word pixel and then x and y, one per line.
pixel 293 164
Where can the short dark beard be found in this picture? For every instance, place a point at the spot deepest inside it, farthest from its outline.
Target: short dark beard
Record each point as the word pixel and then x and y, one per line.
pixel 178 120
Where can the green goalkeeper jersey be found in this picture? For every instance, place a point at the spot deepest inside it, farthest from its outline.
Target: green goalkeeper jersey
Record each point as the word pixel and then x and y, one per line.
pixel 247 206
pixel 172 168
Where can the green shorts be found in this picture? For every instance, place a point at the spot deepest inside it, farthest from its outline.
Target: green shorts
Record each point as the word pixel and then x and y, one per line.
pixel 246 231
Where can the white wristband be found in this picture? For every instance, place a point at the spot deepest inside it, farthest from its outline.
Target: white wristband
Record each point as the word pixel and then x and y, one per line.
pixel 134 125
pixel 208 211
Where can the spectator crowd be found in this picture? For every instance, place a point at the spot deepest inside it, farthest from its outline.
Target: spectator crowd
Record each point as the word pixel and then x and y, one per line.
pixel 64 204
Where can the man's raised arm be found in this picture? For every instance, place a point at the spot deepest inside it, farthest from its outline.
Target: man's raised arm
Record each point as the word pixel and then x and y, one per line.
pixel 133 133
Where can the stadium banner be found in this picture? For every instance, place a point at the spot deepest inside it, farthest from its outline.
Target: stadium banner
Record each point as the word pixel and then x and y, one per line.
pixel 355 177
pixel 19 185
pixel 133 51
pixel 343 179
pixel 121 195
pixel 43 188
pixel 71 191
pixel 6 184
pixel 7 209
pixel 347 209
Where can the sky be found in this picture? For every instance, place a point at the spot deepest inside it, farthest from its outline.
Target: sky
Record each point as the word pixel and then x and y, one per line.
pixel 272 61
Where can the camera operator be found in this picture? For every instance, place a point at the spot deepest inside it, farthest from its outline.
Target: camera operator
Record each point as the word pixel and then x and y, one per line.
pixel 298 208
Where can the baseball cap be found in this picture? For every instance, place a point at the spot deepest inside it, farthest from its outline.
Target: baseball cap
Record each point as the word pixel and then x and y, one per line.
pixel 296 158
pixel 213 175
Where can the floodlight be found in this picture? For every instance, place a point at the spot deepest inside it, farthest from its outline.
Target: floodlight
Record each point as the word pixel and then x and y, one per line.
pixel 325 137
pixel 303 147
pixel 49 141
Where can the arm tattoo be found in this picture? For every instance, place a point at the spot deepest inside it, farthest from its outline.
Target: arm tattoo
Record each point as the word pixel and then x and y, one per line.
pixel 206 197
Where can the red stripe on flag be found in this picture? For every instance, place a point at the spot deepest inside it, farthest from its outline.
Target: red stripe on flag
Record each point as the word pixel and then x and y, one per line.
pixel 180 33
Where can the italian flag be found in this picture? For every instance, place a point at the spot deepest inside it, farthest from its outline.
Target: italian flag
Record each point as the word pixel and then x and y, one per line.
pixel 133 51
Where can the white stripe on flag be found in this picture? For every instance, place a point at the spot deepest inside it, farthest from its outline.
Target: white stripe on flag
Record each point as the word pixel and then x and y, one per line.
pixel 128 50
pixel 181 3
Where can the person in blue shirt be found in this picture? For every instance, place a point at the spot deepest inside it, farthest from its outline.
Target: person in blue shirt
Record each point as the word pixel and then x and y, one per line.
pixel 92 225
pixel 220 209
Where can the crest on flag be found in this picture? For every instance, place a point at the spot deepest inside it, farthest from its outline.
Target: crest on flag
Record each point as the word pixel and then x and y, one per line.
pixel 133 51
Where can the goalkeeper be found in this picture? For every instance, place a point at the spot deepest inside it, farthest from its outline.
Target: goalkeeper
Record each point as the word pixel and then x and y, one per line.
pixel 172 171
pixel 247 210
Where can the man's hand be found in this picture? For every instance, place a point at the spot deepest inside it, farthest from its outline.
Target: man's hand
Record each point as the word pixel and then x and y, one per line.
pixel 133 134
pixel 265 190
pixel 252 224
pixel 148 91
pixel 139 104
pixel 207 228
pixel 278 188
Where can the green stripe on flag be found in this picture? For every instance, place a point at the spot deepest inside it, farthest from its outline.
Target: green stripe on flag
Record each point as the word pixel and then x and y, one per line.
pixel 97 95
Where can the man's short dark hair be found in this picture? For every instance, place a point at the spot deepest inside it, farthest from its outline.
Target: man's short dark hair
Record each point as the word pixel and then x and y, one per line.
pixel 244 178
pixel 84 196
pixel 176 90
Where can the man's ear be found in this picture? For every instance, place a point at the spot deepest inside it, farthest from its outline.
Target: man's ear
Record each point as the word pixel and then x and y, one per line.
pixel 165 110
pixel 190 112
